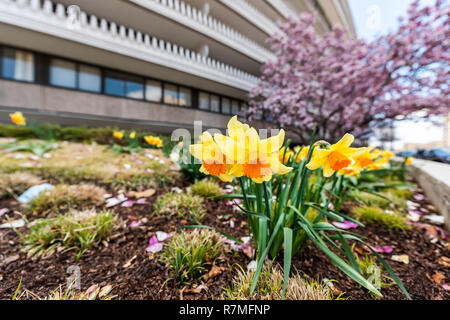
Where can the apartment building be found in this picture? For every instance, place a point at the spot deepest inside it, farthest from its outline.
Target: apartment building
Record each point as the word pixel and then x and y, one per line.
pixel 153 64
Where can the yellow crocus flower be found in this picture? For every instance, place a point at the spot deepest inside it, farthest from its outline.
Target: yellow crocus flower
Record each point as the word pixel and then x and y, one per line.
pixel 18 118
pixel 132 135
pixel 338 156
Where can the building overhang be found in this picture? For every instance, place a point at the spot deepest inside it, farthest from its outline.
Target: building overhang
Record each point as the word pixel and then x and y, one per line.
pixel 97 41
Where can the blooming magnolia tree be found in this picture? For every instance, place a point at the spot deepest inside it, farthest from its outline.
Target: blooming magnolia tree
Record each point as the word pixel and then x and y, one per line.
pixel 341 85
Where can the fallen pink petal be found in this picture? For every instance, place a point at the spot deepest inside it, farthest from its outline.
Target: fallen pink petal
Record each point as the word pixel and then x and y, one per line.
pixel 346 225
pixel 154 245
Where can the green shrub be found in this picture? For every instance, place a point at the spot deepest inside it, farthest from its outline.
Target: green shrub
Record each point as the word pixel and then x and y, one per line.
pixel 63 197
pixel 270 287
pixel 188 253
pixel 376 215
pixel 206 188
pixel 184 205
pixel 78 231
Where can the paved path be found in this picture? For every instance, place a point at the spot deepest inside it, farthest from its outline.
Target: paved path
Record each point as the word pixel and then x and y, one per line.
pixel 434 178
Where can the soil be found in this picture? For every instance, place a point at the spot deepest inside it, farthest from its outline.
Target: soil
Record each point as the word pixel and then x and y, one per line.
pixel 148 278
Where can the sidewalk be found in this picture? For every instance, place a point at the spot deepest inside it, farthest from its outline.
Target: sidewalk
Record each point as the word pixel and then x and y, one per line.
pixel 434 178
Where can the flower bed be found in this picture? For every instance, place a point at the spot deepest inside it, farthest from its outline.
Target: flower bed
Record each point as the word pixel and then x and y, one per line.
pixel 139 242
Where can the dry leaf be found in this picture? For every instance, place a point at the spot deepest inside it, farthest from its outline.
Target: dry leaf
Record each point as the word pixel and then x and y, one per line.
pixel 92 292
pixel 401 258
pixel 438 277
pixel 192 290
pixel 214 272
pixel 105 291
pixel 144 194
pixel 10 259
pixel 129 262
pixel 444 261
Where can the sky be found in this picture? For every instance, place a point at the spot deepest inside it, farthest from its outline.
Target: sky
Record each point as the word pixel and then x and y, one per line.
pixel 376 17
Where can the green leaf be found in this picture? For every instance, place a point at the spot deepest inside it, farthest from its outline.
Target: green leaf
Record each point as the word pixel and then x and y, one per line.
pixel 287 258
pixel 263 255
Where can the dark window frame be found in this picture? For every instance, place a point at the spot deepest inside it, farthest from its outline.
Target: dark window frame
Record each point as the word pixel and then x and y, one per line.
pixel 35 63
pixel 42 77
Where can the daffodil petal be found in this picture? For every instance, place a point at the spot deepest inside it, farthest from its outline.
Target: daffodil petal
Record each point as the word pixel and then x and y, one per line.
pixel 327 171
pixel 345 142
pixel 274 143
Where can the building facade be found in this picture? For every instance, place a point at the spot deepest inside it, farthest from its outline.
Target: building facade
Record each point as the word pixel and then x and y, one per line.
pixel 153 64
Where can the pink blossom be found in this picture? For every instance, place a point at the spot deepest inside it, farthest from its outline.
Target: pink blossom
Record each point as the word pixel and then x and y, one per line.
pixel 342 84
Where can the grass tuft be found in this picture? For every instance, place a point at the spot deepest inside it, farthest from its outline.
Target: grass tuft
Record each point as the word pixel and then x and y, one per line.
pixel 184 205
pixel 373 273
pixel 16 183
pixel 206 188
pixel 78 231
pixel 75 162
pixel 270 287
pixel 188 253
pixel 376 215
pixel 63 197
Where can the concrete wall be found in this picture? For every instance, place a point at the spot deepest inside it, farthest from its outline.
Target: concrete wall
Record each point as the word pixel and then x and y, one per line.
pixel 434 178
pixel 69 107
pixel 53 101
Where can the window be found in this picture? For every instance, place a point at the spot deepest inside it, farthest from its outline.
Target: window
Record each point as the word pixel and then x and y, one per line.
pixel 226 106
pixel 185 97
pixel 18 65
pixel 63 73
pixel 203 100
pixel 134 88
pixel 170 94
pixel 215 103
pixel 235 107
pixel 89 78
pixel 153 90
pixel 114 84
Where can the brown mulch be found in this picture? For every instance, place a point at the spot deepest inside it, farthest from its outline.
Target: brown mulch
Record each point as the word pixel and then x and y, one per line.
pixel 148 278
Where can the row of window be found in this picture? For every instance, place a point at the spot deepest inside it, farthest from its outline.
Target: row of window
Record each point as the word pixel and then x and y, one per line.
pixel 20 65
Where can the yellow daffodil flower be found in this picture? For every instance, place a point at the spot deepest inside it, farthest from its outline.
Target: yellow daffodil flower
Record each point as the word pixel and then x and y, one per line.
pixel 409 161
pixel 250 156
pixel 286 154
pixel 303 153
pixel 154 141
pixel 338 156
pixel 132 135
pixel 118 134
pixel 388 154
pixel 18 118
pixel 350 171
pixel 213 160
pixel 365 160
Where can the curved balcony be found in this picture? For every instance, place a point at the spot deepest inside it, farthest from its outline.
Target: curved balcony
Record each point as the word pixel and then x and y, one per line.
pixel 52 19
pixel 194 19
pixel 252 14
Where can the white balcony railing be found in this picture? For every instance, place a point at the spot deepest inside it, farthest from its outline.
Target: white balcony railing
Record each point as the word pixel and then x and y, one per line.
pixel 253 15
pixel 195 19
pixel 52 19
